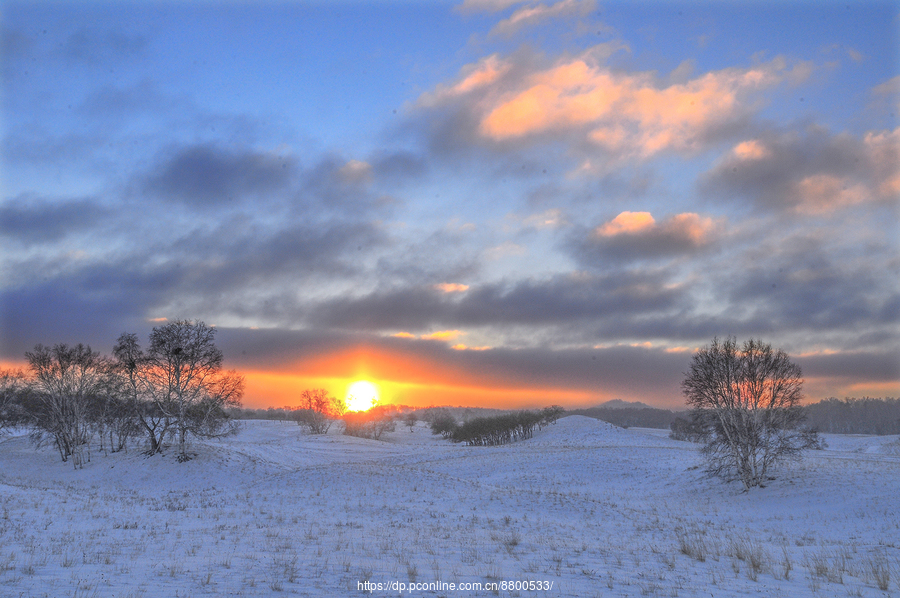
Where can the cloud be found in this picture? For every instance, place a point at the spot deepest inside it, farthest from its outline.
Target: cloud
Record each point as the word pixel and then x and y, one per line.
pixel 637 235
pixel 885 98
pixel 68 309
pixel 232 271
pixel 398 166
pixel 561 300
pixel 356 172
pixel 534 14
pixel 811 286
pixel 452 287
pixel 878 366
pixel 598 111
pixel 92 46
pixel 853 53
pixel 811 171
pixel 31 220
pixel 627 223
pixel 462 347
pixel 472 78
pixel 552 218
pixel 891 87
pixel 207 175
pixel 108 101
pixel 491 6
pixel 504 250
pixel 625 113
pixel 442 335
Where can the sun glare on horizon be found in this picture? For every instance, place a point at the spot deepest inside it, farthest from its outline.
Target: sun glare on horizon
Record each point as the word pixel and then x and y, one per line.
pixel 362 395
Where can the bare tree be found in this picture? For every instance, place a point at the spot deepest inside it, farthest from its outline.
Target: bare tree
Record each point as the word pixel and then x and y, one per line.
pixel 747 402
pixel 113 419
pixel 66 381
pixel 318 410
pixel 184 375
pixel 132 367
pixel 550 414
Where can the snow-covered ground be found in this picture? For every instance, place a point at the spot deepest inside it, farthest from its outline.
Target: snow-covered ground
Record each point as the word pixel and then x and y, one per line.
pixel 582 509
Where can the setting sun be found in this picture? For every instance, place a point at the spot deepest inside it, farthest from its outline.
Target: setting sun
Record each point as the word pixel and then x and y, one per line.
pixel 362 395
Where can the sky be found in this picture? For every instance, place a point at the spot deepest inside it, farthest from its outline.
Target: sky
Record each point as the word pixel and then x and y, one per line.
pixel 486 203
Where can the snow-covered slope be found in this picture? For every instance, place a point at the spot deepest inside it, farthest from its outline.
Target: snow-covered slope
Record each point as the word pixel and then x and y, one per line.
pixel 592 509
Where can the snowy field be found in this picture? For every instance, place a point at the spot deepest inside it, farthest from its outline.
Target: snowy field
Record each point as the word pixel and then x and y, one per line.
pixel 582 509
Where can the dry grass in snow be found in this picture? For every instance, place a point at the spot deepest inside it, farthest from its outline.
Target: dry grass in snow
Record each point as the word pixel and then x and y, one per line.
pixel 595 509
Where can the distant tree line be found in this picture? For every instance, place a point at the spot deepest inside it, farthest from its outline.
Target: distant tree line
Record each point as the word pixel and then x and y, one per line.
pixel 266 413
pixel 494 430
pixel 865 415
pixel 73 395
pixel 317 411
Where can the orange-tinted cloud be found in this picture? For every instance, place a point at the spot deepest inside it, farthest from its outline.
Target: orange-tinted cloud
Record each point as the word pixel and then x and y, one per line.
pixel 534 14
pixel 355 172
pixel 627 223
pixel 443 335
pixel 815 173
pixel 451 287
pixel 750 150
pixel 552 218
pixel 626 114
pixel 822 193
pixel 440 335
pixel 639 235
pixel 473 77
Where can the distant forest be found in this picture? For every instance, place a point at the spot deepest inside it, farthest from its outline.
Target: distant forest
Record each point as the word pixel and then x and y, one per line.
pixel 864 415
pixel 855 416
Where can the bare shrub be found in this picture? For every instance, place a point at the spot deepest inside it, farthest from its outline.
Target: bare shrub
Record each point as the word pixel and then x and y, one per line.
pixel 13 387
pixel 443 423
pixel 318 410
pixel 499 429
pixel 369 424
